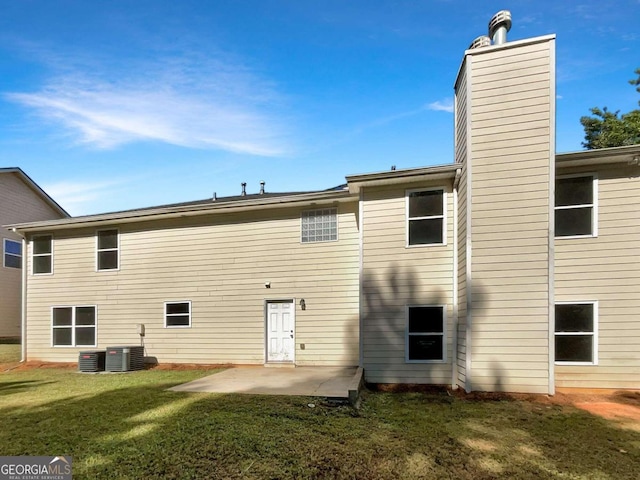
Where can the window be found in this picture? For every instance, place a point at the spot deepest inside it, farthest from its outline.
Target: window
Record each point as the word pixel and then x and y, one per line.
pixel 425 341
pixel 74 326
pixel 319 225
pixel 177 314
pixel 576 333
pixel 42 256
pixel 107 250
pixel 12 254
pixel 425 217
pixel 576 206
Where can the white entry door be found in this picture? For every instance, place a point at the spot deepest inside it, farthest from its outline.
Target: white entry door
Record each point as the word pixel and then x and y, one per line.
pixel 280 331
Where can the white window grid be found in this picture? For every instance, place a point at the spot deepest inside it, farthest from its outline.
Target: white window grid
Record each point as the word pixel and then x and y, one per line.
pixel 320 225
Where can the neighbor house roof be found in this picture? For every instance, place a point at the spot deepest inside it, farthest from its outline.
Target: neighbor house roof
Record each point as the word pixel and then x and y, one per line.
pixel 36 188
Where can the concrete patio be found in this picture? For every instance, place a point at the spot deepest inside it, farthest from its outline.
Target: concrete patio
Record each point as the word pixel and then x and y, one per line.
pixel 331 382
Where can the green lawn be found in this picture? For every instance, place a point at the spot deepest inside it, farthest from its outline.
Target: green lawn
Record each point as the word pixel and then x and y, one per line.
pixel 9 353
pixel 129 426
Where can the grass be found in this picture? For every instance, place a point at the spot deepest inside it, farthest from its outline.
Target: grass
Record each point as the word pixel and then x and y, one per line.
pixel 9 353
pixel 130 426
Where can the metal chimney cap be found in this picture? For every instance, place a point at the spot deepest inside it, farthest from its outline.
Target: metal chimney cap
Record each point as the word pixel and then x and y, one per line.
pixel 500 19
pixel 481 41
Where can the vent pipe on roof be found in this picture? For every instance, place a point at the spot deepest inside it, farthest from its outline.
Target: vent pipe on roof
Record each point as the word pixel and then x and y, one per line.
pixel 481 41
pixel 244 188
pixel 215 197
pixel 262 187
pixel 499 25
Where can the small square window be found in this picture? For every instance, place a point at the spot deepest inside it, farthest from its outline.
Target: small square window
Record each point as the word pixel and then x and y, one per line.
pixel 177 314
pixel 425 337
pixel 319 225
pixel 575 335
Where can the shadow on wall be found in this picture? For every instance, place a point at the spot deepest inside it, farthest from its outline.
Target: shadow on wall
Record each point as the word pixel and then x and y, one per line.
pixel 385 298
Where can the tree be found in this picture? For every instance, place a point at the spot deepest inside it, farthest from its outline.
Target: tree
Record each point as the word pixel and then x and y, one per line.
pixel 610 129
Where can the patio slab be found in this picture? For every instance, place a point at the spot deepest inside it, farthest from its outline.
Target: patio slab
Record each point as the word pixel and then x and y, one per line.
pixel 331 382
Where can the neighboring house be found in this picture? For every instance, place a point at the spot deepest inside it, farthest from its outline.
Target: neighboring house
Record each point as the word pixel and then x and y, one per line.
pixel 21 200
pixel 512 269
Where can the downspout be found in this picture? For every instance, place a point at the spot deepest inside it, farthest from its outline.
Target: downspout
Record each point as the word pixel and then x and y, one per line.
pixel 23 300
pixel 454 340
pixel 360 279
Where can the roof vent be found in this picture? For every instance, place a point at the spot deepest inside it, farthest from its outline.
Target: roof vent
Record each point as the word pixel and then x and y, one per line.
pixel 481 41
pixel 262 187
pixel 499 25
pixel 244 188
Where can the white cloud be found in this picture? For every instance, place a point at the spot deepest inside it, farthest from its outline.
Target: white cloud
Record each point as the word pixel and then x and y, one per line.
pixel 80 197
pixel 445 105
pixel 185 100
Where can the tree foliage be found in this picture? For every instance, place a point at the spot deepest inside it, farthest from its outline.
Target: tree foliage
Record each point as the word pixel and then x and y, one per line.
pixel 610 129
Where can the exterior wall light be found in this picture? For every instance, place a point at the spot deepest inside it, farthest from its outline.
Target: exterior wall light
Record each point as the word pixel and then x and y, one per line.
pixel 303 304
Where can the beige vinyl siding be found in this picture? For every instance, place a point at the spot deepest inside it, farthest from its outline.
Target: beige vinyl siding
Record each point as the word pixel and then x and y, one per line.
pixel 606 269
pixel 511 117
pixel 18 203
pixel 461 358
pixel 395 276
pixel 220 263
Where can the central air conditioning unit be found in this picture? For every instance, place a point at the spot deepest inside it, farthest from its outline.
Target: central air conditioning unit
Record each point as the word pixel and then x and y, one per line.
pixel 125 358
pixel 91 361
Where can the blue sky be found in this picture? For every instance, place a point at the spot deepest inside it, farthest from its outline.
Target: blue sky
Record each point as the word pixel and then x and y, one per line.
pixel 125 104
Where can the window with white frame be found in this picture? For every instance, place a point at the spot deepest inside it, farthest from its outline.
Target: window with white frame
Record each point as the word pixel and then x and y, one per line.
pixel 12 254
pixel 42 255
pixel 425 337
pixel 177 314
pixel 108 249
pixel 576 333
pixel 74 326
pixel 426 217
pixel 319 225
pixel 576 206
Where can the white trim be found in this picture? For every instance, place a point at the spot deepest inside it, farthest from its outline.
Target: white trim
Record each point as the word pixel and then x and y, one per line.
pixel 594 333
pixel 551 373
pixel 333 208
pixel 99 250
pixel 33 254
pixel 5 253
pixel 175 302
pixel 73 326
pixel 593 206
pixel 455 286
pixel 443 216
pixel 407 334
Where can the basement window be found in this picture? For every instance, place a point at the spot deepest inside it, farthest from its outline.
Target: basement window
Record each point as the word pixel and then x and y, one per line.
pixel 576 339
pixel 108 250
pixel 425 337
pixel 319 225
pixel 576 206
pixel 177 314
pixel 426 217
pixel 74 326
pixel 12 254
pixel 42 256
